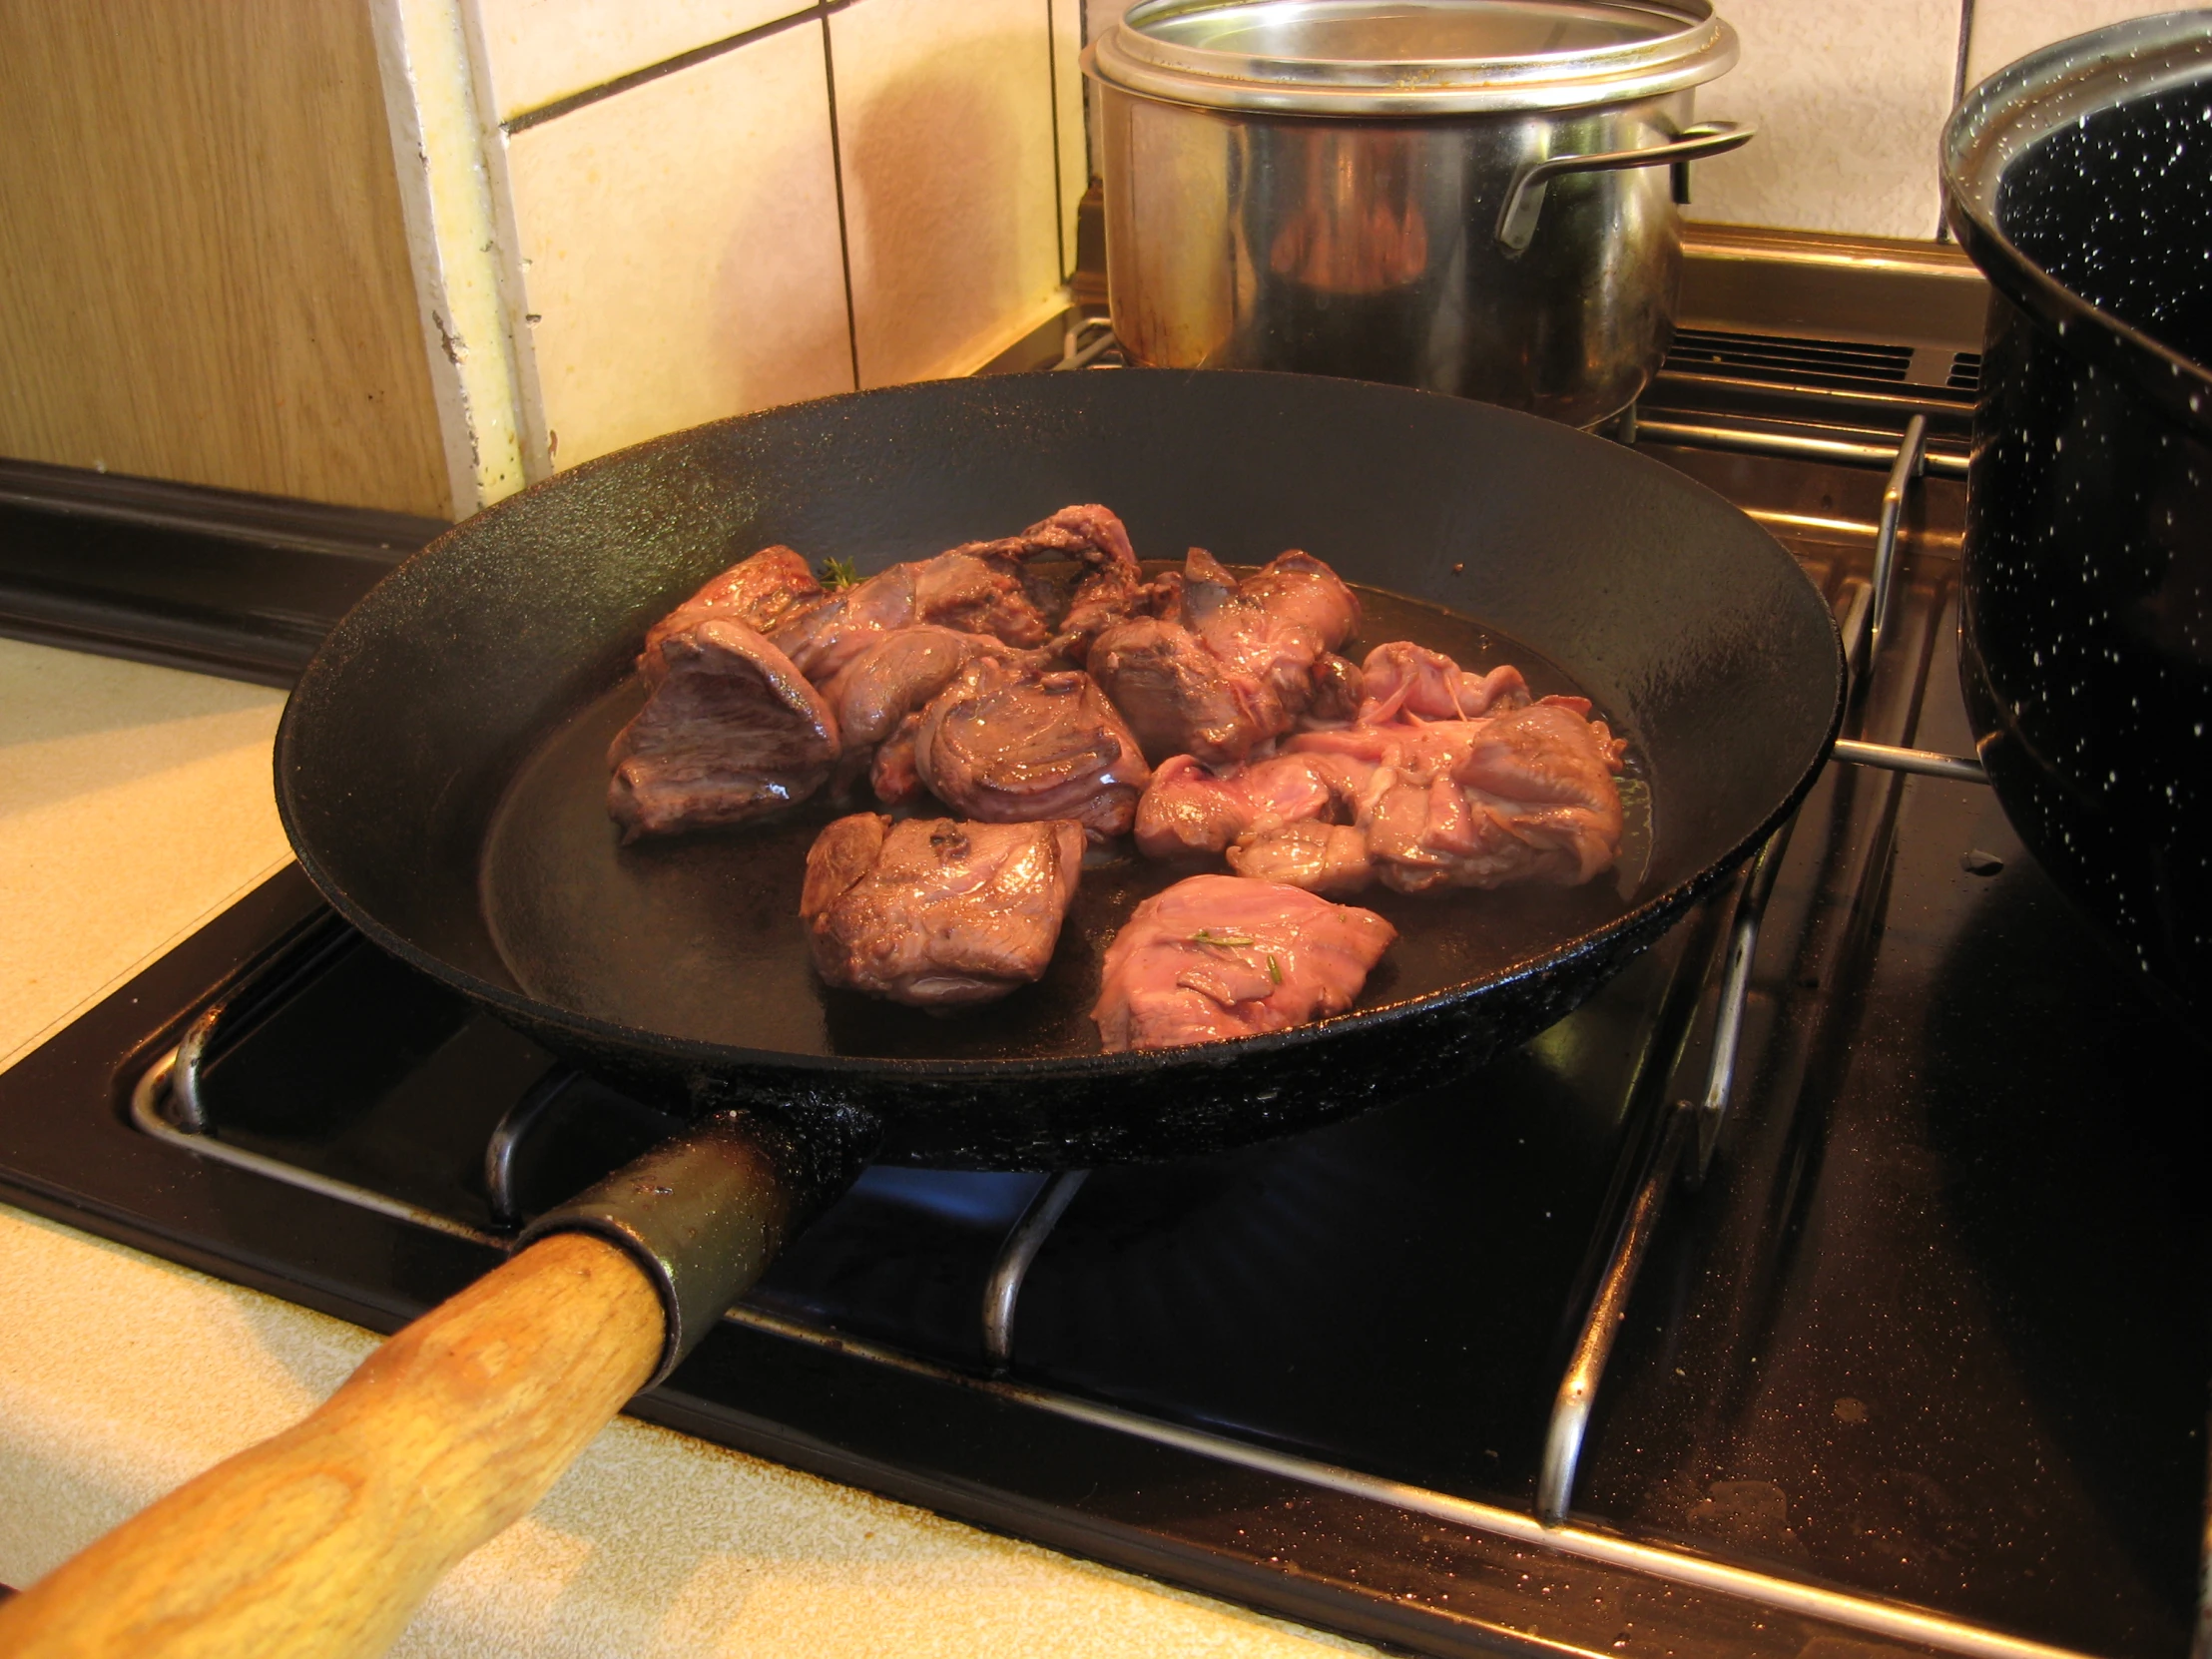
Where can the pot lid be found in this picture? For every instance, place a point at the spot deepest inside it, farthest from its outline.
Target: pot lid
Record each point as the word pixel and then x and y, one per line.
pixel 1410 56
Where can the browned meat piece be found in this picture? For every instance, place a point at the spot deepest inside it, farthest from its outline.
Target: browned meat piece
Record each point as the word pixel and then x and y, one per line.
pixel 936 913
pixel 1401 679
pixel 730 731
pixel 1219 671
pixel 1340 686
pixel 895 675
pixel 1012 746
pixel 1218 956
pixel 891 773
pixel 974 595
pixel 980 587
pixel 1297 587
pixel 771 590
pixel 1188 808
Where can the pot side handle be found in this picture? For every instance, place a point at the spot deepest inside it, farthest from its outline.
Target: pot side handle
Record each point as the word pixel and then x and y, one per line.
pixel 1525 198
pixel 323 1540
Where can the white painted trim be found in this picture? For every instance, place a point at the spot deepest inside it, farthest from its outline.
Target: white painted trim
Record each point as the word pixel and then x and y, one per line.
pixel 446 195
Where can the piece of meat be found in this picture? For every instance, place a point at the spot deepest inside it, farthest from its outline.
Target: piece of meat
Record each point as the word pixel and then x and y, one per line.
pixel 1219 957
pixel 1339 687
pixel 730 731
pixel 1328 859
pixel 1189 809
pixel 770 589
pixel 1522 795
pixel 892 772
pixel 1217 672
pixel 1297 587
pixel 974 595
pixel 1402 679
pixel 897 674
pixel 937 913
pixel 1009 745
pixel 1109 583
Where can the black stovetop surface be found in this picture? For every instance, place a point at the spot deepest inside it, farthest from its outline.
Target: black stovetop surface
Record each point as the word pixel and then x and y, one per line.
pixel 1931 1331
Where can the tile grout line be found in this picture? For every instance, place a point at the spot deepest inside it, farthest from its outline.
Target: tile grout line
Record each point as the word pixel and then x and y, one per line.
pixel 836 177
pixel 575 101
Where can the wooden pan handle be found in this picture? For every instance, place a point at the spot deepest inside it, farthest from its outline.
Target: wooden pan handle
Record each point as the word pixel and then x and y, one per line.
pixel 323 1540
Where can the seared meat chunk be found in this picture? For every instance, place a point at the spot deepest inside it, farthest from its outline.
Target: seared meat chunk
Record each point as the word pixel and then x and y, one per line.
pixel 1224 667
pixel 974 595
pixel 771 590
pixel 1323 858
pixel 1401 679
pixel 936 913
pixel 1189 809
pixel 895 676
pixel 730 731
pixel 980 587
pixel 1012 746
pixel 1216 957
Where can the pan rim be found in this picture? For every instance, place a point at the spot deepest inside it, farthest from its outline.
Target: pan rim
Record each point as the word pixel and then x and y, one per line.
pixel 1645 919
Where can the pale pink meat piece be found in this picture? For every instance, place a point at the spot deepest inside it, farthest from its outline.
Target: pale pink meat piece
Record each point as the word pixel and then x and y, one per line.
pixel 1297 587
pixel 1189 809
pixel 1219 957
pixel 730 731
pixel 937 913
pixel 1009 745
pixel 1401 679
pixel 893 677
pixel 1526 794
pixel 1328 859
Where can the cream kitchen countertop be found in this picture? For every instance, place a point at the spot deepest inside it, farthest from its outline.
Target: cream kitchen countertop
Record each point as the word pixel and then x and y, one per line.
pixel 134 802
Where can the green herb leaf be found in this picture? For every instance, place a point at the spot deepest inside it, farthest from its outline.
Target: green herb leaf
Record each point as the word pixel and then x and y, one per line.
pixel 1223 941
pixel 839 573
pixel 1275 972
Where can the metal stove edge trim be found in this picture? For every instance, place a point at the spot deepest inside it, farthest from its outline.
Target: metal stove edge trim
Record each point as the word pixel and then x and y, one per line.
pixel 1893 1620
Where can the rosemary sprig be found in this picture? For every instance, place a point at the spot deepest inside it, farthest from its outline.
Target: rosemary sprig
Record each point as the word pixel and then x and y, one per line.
pixel 839 573
pixel 1221 941
pixel 1275 972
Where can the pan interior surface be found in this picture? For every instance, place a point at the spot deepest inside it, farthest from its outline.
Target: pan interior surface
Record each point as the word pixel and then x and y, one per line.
pixel 697 938
pixel 446 696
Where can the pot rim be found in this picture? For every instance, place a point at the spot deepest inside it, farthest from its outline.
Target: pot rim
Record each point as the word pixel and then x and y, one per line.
pixel 1157 50
pixel 2018 106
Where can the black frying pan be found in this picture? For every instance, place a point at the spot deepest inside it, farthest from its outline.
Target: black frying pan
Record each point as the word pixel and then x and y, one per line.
pixel 440 772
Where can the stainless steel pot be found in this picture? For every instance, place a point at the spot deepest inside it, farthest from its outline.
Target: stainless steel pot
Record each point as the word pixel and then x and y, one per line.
pixel 1472 195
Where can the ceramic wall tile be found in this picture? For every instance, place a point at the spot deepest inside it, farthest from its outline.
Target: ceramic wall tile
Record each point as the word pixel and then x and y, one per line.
pixel 2008 29
pixel 679 248
pixel 945 130
pixel 1849 100
pixel 537 51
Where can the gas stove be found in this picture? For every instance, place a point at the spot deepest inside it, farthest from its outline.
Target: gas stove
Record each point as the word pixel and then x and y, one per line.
pixel 1836 1277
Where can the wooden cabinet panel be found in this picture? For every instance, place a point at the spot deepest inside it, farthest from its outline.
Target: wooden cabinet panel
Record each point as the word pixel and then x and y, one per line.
pixel 206 266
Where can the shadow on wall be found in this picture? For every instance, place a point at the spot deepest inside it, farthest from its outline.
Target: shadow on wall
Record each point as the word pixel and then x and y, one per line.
pixel 931 165
pixel 774 334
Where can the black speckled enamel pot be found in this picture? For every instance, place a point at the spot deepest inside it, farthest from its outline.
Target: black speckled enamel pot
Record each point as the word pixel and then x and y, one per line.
pixel 2081 181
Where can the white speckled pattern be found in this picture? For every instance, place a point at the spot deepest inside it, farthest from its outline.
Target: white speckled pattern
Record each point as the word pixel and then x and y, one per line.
pixel 1850 101
pixel 2004 30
